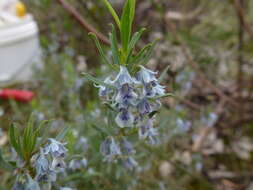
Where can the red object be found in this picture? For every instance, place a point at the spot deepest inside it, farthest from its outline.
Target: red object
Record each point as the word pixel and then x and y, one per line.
pixel 18 95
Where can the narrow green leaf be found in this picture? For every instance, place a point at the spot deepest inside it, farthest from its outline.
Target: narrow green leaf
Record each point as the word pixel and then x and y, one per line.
pixel 114 46
pixel 40 141
pixel 43 138
pixel 149 53
pixel 101 52
pixel 135 39
pixel 163 96
pixel 97 81
pixel 28 138
pixel 132 9
pixel 42 124
pixel 14 143
pixel 126 23
pixel 113 13
pixel 132 44
pixel 141 54
pixel 162 76
pixel 144 55
pixel 62 134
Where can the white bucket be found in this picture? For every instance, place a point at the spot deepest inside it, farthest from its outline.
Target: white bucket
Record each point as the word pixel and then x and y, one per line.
pixel 19 50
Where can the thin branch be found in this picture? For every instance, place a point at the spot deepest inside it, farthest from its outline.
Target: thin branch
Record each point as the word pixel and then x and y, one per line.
pixel 88 27
pixel 240 12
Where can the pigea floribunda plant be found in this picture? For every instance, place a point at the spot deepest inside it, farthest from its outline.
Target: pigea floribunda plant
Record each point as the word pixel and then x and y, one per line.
pixel 131 94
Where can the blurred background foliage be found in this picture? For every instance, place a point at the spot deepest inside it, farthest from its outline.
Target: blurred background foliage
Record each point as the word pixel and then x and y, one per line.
pixel 213 151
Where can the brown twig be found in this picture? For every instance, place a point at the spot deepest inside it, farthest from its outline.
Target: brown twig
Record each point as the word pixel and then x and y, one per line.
pixel 240 12
pixel 88 27
pixel 195 66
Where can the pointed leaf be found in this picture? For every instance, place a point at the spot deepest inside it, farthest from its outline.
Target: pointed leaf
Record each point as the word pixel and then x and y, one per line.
pixel 101 52
pixel 163 96
pixel 28 138
pixel 144 55
pixel 114 46
pixel 62 134
pixel 132 44
pixel 97 81
pixel 149 53
pixel 126 23
pixel 16 145
pixel 113 13
pixel 135 39
pixel 162 76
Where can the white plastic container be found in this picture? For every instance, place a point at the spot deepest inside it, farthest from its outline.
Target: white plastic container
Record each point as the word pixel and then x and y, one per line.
pixel 19 50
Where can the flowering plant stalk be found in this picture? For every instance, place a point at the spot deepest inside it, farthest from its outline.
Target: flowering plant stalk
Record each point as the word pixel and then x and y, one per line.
pixel 133 94
pixel 36 160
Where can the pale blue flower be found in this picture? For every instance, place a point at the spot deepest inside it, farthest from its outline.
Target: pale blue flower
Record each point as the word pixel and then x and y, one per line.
pixel 41 164
pixel 49 176
pixel 126 96
pixel 144 129
pixel 153 89
pixel 129 163
pixel 105 146
pixel 146 76
pixel 124 118
pixel 147 131
pixel 114 148
pixel 55 148
pixel 123 77
pixel 82 144
pixel 25 182
pixel 126 147
pixel 58 164
pixel 78 164
pixel 183 126
pixel 31 184
pixel 152 136
pixel 184 79
pixel 105 90
pixel 210 120
pixel 199 166
pixel 110 149
pixel 144 107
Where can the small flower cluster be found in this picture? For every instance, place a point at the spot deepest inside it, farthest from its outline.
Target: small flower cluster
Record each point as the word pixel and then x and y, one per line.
pixel 134 99
pixel 47 163
pixel 50 161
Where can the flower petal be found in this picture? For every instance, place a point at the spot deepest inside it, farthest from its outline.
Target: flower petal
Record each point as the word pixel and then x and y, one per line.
pixel 124 118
